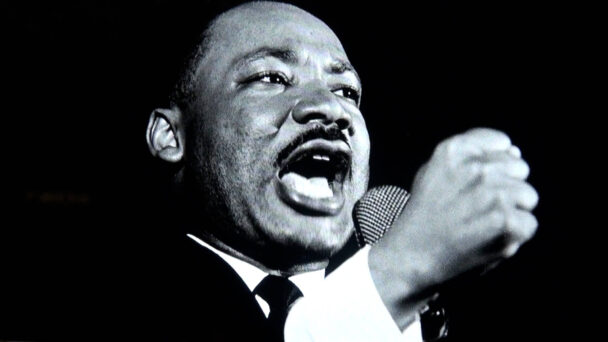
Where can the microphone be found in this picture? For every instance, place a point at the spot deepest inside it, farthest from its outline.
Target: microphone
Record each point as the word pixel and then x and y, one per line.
pixel 374 214
pixel 376 211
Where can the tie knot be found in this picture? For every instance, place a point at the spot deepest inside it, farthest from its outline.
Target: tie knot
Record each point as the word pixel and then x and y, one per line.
pixel 278 292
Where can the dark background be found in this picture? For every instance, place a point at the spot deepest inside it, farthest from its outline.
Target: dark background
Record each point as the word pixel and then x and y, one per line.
pixel 83 77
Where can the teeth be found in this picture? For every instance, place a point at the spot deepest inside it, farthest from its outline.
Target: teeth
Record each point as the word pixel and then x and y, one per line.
pixel 320 157
pixel 315 187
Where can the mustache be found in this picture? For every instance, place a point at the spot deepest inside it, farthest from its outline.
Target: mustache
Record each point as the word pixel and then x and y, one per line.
pixel 316 132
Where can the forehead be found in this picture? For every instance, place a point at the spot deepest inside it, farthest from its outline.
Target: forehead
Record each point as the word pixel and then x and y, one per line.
pixel 247 28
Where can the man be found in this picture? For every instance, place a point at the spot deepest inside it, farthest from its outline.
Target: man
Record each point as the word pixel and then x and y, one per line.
pixel 272 152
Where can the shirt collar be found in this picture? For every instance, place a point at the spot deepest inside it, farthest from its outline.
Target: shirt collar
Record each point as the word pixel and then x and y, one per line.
pixel 307 282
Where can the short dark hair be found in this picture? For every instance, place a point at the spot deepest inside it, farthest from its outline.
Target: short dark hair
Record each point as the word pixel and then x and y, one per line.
pixel 183 90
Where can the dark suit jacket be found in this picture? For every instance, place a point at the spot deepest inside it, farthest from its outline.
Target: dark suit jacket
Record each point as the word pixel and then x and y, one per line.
pixel 175 291
pixel 168 288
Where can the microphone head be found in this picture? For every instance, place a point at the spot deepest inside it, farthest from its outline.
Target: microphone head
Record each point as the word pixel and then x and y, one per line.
pixel 376 211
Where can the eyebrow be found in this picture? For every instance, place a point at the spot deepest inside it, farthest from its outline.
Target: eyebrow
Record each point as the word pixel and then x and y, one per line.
pixel 285 55
pixel 289 56
pixel 341 66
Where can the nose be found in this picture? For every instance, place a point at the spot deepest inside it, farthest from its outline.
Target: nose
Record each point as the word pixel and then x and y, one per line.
pixel 321 105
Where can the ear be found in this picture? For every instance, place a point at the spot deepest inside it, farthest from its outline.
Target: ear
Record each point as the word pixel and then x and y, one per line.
pixel 165 134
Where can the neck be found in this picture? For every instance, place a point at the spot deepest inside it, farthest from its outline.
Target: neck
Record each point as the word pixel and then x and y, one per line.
pixel 284 271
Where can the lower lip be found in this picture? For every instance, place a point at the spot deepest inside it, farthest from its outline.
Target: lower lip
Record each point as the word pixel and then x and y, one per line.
pixel 329 206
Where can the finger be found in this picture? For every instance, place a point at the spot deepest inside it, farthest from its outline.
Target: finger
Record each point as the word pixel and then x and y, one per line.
pixel 505 194
pixel 519 194
pixel 521 226
pixel 487 228
pixel 501 233
pixel 487 139
pixel 515 151
pixel 499 164
pixel 476 142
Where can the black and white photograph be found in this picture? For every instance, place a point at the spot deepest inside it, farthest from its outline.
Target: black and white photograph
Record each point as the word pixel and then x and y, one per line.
pixel 294 171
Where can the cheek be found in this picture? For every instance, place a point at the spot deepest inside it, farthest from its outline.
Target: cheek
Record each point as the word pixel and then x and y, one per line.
pixel 263 117
pixel 360 142
pixel 242 149
pixel 247 131
pixel 361 153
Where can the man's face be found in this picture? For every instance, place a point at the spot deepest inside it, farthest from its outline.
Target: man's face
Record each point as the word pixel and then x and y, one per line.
pixel 276 139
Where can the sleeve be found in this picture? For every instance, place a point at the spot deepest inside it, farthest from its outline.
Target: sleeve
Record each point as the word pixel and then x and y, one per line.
pixel 347 308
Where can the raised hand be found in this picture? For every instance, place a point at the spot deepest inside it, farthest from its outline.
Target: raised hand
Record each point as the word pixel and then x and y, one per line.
pixel 470 207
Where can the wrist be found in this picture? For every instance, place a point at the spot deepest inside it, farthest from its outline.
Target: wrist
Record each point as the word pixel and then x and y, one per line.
pixel 404 290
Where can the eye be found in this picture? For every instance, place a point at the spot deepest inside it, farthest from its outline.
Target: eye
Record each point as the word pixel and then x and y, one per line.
pixel 270 77
pixel 349 93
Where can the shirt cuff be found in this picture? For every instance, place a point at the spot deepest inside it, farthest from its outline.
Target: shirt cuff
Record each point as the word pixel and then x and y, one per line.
pixel 346 308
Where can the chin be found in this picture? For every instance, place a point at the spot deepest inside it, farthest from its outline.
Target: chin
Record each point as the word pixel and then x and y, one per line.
pixel 300 236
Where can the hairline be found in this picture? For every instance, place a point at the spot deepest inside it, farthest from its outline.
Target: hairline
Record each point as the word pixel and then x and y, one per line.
pixel 184 88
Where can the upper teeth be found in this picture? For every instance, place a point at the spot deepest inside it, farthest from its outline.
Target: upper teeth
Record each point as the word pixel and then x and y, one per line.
pixel 320 157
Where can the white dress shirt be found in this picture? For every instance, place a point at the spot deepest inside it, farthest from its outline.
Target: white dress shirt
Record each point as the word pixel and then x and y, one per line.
pixel 343 306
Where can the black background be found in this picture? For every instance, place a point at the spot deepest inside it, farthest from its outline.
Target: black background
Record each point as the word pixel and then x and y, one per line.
pixel 83 77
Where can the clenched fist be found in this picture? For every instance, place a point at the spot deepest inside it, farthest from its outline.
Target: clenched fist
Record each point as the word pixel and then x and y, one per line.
pixel 470 207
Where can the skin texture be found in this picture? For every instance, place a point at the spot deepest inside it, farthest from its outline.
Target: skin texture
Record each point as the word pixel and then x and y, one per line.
pixel 469 209
pixel 240 121
pixel 470 205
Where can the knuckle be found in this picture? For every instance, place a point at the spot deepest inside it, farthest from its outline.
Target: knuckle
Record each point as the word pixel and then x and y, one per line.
pixel 515 151
pixel 520 168
pixel 449 147
pixel 443 145
pixel 497 219
pixel 525 166
pixel 440 153
pixel 476 168
pixel 534 197
pixel 490 133
pixel 505 137
pixel 510 250
pixel 450 153
pixel 484 197
pixel 482 131
pixel 485 170
pixel 523 226
pixel 530 196
pixel 500 135
pixel 532 226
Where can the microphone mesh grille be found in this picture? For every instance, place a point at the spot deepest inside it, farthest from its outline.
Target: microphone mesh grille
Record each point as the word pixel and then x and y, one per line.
pixel 376 211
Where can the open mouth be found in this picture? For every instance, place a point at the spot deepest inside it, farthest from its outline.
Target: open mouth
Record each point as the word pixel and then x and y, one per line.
pixel 311 178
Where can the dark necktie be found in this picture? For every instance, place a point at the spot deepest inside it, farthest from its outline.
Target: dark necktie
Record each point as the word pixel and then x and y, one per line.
pixel 279 293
